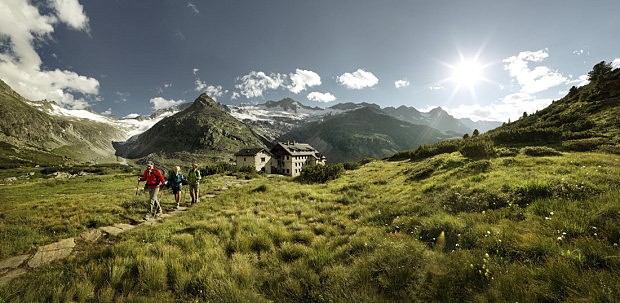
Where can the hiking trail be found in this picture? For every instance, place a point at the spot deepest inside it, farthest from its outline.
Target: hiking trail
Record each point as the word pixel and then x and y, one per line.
pixel 13 267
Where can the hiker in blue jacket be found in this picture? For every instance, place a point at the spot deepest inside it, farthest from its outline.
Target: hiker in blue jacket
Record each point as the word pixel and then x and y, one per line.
pixel 176 181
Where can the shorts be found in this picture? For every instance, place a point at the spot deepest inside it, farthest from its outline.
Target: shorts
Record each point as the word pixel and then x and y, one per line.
pixel 193 186
pixel 176 189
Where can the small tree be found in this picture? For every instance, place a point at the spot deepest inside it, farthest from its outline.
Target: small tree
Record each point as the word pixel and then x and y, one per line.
pixel 524 115
pixel 475 133
pixel 600 71
pixel 465 136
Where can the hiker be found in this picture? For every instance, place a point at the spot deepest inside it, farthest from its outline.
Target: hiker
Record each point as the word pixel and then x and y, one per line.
pixel 176 181
pixel 193 179
pixel 154 179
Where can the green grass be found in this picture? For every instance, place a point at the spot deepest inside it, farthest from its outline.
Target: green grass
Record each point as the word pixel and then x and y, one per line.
pixel 448 228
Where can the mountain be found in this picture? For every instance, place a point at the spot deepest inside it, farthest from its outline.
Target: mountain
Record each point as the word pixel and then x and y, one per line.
pixel 360 133
pixel 586 118
pixel 482 126
pixel 204 130
pixel 272 119
pixel 353 106
pixel 31 135
pixel 435 118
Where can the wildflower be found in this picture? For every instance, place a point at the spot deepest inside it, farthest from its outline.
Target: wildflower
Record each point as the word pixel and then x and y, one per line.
pixel 486 255
pixel 551 213
pixel 547 218
pixel 559 238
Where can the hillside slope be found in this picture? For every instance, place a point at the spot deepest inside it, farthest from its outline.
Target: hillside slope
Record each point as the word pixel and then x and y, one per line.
pixel 364 132
pixel 29 135
pixel 203 130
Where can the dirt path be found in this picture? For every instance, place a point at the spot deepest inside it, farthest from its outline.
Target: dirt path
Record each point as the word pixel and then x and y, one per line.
pixel 16 266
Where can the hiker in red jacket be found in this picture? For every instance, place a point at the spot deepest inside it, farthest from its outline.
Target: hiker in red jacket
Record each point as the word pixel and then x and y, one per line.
pixel 154 179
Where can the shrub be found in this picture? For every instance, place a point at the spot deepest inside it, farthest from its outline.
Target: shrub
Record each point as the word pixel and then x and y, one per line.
pixel 427 151
pixel 320 173
pixel 479 166
pixel 583 144
pixel 351 165
pixel 540 151
pixel 220 168
pixel 477 149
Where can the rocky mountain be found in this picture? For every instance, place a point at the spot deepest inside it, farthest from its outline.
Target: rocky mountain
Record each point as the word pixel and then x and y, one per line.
pixel 482 126
pixel 272 119
pixel 363 132
pixel 31 135
pixel 204 130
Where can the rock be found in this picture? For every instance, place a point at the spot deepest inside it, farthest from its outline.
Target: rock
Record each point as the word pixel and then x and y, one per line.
pixel 12 275
pixel 10 179
pixel 55 251
pixel 117 229
pixel 91 236
pixel 13 262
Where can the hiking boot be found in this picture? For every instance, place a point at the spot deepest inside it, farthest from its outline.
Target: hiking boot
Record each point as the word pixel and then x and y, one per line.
pixel 178 206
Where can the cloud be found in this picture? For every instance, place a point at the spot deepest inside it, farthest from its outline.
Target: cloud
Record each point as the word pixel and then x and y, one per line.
pixel 72 13
pixel 200 85
pixel 193 7
pixel 255 83
pixel 161 103
pixel 581 81
pixel 510 107
pixel 21 66
pixel 215 91
pixel 122 97
pixel 303 79
pixel 435 87
pixel 616 63
pixel 401 83
pixel 131 116
pixel 321 97
pixel 235 96
pixel 358 79
pixel 108 111
pixel 534 80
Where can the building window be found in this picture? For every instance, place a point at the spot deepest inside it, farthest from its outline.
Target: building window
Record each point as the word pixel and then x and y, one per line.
pixel 262 159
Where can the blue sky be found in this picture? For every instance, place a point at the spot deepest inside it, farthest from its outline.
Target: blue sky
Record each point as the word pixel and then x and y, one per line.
pixel 478 59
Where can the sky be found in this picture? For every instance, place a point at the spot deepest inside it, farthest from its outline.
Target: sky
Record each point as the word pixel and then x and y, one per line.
pixel 486 60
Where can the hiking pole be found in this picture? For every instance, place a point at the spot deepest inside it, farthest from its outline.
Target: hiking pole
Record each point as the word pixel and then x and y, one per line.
pixel 137 187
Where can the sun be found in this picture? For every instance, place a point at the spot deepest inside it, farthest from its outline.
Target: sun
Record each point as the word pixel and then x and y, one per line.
pixel 467 73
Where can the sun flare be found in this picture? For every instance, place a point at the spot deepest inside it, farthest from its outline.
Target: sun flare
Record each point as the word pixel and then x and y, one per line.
pixel 467 73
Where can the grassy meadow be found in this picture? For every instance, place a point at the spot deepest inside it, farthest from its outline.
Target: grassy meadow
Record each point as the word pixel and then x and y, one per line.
pixel 446 228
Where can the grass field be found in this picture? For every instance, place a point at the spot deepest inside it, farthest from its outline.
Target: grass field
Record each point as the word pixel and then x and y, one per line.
pixel 443 229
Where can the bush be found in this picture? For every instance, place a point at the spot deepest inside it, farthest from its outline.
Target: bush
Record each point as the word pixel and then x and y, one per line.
pixel 219 168
pixel 588 144
pixel 427 151
pixel 351 165
pixel 321 173
pixel 540 151
pixel 477 149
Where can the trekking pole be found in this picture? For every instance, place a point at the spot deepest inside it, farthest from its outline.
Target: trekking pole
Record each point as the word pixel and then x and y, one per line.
pixel 137 187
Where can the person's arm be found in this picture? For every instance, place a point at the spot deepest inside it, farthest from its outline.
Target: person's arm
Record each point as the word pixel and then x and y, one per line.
pixel 143 178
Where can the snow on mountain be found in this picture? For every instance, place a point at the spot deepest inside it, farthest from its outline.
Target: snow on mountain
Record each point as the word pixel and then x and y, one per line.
pixel 130 126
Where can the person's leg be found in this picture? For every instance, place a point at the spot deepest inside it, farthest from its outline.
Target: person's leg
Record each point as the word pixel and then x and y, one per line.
pixel 192 192
pixel 197 193
pixel 152 199
pixel 156 200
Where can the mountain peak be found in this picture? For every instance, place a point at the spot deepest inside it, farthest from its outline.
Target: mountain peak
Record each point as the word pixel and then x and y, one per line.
pixel 205 101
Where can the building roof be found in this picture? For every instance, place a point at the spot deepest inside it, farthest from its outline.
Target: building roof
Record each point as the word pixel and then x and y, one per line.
pixel 297 149
pixel 248 152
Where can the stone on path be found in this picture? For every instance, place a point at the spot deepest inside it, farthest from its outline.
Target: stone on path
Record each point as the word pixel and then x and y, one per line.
pixel 91 236
pixel 12 263
pixel 117 229
pixel 12 275
pixel 51 252
pixel 209 196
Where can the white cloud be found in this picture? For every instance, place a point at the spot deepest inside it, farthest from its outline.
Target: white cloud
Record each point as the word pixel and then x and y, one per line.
pixel 303 79
pixel 321 97
pixel 401 83
pixel 21 26
pixel 161 103
pixel 215 91
pixel 122 97
pixel 195 71
pixel 358 79
pixel 108 111
pixel 616 63
pixel 534 80
pixel 131 116
pixel 200 85
pixel 435 87
pixel 510 107
pixel 255 83
pixel 193 7
pixel 581 81
pixel 72 13
pixel 234 96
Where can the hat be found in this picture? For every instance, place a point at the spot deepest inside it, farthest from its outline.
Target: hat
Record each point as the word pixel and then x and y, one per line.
pixel 150 163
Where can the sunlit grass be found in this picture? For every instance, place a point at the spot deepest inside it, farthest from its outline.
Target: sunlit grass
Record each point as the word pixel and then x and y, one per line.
pixel 512 228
